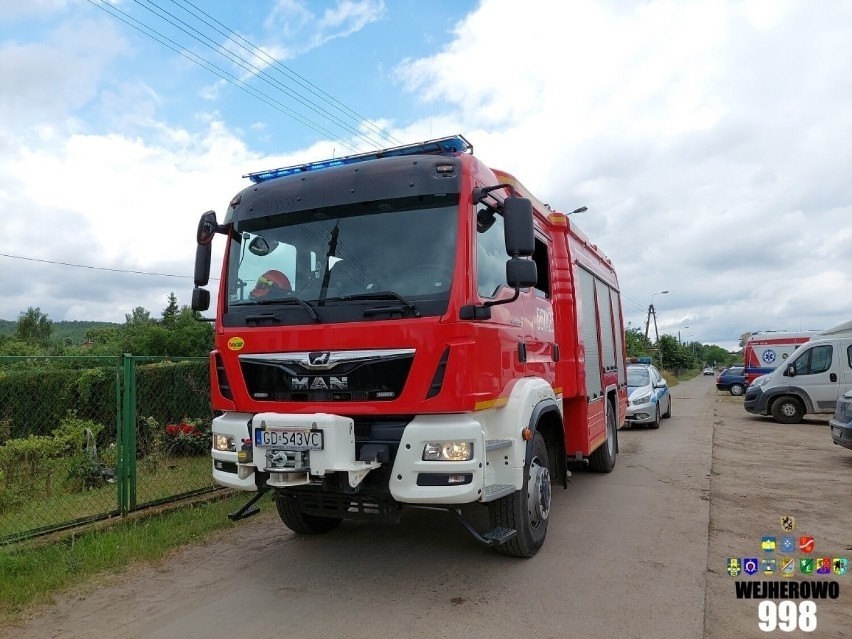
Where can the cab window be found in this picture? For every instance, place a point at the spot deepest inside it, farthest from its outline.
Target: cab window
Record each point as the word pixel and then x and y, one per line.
pixel 814 361
pixel 490 252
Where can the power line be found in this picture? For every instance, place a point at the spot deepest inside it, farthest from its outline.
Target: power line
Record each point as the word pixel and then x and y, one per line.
pixel 95 268
pixel 245 64
pixel 230 78
pixel 290 73
pixel 362 130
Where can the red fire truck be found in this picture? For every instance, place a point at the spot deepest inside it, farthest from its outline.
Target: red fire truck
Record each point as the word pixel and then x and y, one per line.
pixel 406 328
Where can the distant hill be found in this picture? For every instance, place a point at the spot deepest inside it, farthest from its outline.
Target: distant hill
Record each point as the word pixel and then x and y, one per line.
pixel 62 331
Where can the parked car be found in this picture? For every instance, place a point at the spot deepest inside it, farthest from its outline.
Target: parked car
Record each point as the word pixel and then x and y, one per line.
pixel 732 380
pixel 708 370
pixel 841 423
pixel 648 396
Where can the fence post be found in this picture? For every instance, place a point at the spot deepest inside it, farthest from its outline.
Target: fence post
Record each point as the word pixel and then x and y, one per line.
pixel 127 489
pixel 119 437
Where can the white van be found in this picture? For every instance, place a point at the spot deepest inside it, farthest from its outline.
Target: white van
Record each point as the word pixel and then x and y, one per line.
pixel 812 379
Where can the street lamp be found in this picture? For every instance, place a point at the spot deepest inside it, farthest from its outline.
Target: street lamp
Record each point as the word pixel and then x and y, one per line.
pixel 660 293
pixel 679 343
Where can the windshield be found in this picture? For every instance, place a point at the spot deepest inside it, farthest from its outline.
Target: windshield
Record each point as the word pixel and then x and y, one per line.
pixel 638 377
pixel 403 246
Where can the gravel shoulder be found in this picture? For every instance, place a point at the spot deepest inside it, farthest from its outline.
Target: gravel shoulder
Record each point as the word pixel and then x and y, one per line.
pixel 762 471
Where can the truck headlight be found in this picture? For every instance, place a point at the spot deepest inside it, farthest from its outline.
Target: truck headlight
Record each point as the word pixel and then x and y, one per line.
pixel 223 443
pixel 448 451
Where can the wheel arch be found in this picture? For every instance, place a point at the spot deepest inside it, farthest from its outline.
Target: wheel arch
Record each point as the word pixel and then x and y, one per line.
pixel 546 418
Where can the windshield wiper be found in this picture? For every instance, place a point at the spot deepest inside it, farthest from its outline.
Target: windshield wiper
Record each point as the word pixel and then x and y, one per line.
pixel 407 304
pixel 286 300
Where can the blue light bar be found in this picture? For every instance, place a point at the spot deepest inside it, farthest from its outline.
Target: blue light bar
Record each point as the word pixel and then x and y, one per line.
pixel 452 145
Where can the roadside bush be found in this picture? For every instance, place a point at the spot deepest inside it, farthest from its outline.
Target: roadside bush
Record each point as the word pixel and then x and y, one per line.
pixel 188 437
pixel 28 464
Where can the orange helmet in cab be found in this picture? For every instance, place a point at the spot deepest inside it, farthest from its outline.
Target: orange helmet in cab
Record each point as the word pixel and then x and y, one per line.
pixel 269 281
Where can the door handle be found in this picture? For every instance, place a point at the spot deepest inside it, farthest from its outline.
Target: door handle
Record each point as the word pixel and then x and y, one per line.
pixel 833 377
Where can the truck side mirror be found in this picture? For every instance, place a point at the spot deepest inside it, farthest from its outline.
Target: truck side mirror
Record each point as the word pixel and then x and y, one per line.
pixel 203 254
pixel 207 227
pixel 521 273
pixel 791 371
pixel 200 299
pixel 518 226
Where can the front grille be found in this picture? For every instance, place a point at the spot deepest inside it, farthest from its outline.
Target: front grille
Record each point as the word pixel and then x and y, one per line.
pixel 284 379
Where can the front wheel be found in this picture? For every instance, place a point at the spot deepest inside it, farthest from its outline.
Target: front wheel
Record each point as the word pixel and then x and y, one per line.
pixel 299 522
pixel 788 410
pixel 526 510
pixel 654 425
pixel 737 389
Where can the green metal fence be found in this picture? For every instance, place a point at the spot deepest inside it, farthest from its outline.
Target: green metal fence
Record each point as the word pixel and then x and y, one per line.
pixel 88 438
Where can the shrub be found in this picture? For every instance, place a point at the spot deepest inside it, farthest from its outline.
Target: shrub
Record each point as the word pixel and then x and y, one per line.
pixel 188 437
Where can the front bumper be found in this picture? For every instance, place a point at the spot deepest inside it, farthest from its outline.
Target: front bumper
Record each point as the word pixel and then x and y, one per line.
pixel 754 401
pixel 641 413
pixel 411 479
pixel 841 433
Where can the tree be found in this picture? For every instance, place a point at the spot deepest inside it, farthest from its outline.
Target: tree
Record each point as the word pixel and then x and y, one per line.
pixel 171 311
pixel 34 327
pixel 634 340
pixel 674 356
pixel 139 317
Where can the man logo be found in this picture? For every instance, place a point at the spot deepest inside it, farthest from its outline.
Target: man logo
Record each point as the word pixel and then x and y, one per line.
pixel 319 358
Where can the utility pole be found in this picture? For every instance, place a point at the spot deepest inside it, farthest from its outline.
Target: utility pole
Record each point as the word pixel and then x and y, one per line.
pixel 653 312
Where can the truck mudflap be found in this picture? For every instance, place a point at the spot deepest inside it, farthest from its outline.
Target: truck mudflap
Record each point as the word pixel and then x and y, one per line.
pixel 293 449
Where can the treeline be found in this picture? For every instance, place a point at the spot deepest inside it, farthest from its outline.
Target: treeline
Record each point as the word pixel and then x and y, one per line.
pixel 676 355
pixel 177 332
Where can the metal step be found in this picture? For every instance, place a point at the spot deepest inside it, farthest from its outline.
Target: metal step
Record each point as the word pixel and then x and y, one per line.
pixel 497 444
pixel 497 536
pixel 496 491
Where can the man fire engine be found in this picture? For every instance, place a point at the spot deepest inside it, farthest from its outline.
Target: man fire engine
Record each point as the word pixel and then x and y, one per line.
pixel 405 328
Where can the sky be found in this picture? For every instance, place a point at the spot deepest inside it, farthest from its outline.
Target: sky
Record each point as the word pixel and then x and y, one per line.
pixel 710 140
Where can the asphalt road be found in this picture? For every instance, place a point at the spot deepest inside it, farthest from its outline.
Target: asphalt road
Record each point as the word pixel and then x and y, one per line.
pixel 627 554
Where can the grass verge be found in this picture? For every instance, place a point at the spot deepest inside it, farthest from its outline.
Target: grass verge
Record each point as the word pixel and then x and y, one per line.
pixel 32 574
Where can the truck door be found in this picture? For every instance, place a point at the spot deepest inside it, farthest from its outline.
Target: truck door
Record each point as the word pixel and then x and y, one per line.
pixel 845 374
pixel 539 328
pixel 816 372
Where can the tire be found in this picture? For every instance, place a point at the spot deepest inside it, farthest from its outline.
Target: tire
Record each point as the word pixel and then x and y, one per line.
pixel 737 389
pixel 299 522
pixel 654 425
pixel 526 510
pixel 788 410
pixel 603 459
pixel 668 412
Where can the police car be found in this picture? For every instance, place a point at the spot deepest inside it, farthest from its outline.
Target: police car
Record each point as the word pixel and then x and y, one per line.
pixel 648 396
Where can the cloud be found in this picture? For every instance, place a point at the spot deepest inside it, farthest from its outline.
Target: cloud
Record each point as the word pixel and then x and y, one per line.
pixel 704 137
pixel 302 30
pixel 45 80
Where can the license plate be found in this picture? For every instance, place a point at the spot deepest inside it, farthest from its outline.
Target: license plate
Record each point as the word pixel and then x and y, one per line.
pixel 289 439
